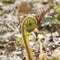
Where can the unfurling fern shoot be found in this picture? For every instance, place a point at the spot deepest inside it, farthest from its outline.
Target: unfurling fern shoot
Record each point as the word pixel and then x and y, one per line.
pixel 29 23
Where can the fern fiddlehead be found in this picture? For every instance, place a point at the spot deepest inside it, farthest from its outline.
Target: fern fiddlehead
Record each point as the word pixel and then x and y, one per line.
pixel 28 23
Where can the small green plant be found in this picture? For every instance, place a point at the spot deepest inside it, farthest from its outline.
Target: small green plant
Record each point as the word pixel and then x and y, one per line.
pixel 56 14
pixel 28 23
pixel 19 39
pixel 57 8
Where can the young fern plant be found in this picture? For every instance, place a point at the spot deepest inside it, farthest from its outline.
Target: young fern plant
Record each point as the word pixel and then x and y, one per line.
pixel 29 23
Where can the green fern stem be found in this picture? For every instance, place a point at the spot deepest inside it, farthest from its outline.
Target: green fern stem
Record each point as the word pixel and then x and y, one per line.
pixel 28 50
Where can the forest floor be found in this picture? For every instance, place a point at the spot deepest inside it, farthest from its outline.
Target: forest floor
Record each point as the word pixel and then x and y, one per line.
pixel 11 45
